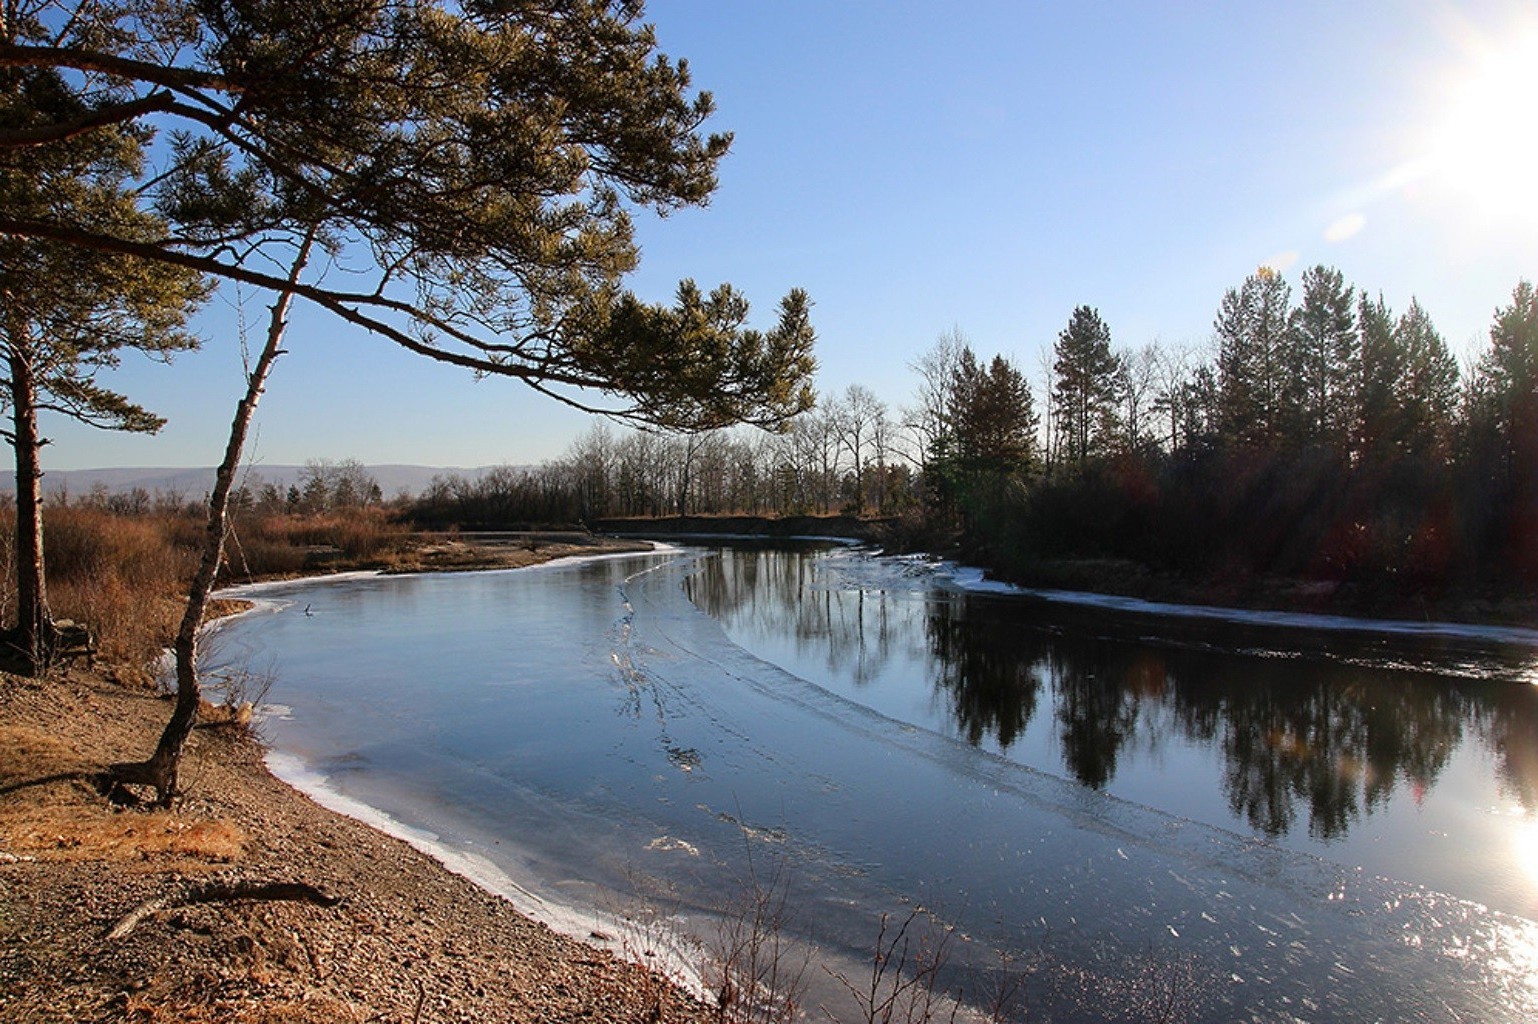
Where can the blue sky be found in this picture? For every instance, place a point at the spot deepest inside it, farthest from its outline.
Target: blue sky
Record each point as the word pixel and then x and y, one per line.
pixel 985 167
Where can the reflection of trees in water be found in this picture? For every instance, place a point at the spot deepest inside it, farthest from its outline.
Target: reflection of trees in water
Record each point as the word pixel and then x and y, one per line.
pixel 991 663
pixel 1301 738
pixel 1097 712
pixel 990 676
pixel 778 592
pixel 1333 739
pixel 1298 736
pixel 1508 724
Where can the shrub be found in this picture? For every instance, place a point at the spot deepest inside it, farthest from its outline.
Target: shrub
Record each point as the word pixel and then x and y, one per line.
pixel 124 575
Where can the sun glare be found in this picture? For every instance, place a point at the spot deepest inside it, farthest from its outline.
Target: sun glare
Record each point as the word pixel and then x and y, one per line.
pixel 1482 146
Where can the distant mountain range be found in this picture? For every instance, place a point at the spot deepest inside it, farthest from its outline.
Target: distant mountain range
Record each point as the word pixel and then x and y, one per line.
pixel 192 484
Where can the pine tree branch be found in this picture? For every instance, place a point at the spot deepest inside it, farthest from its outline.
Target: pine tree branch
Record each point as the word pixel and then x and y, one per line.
pixel 119 113
pixel 76 59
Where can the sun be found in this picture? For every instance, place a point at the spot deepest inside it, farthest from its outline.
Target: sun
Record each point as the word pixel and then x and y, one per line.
pixel 1481 145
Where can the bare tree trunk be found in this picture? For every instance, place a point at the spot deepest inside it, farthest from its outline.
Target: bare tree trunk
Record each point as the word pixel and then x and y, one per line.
pixel 161 769
pixel 34 623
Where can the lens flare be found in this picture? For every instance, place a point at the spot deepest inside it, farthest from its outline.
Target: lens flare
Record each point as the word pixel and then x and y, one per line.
pixel 1480 146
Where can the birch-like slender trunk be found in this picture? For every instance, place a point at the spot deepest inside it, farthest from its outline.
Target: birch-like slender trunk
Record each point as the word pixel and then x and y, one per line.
pixel 161 769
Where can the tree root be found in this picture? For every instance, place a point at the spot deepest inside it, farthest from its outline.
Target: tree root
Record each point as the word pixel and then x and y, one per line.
pixel 114 782
pixel 299 892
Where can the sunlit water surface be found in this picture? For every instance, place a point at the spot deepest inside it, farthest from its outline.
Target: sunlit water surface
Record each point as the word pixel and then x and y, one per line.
pixel 1265 823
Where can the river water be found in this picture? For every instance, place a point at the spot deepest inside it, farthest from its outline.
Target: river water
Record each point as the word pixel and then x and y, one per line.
pixel 1103 812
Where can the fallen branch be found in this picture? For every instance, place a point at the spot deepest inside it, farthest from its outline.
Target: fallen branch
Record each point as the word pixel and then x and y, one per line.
pixel 299 892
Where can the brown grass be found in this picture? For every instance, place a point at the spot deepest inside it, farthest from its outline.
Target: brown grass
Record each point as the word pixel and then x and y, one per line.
pixel 125 575
pixel 120 575
pixel 65 833
pixel 51 813
pixel 284 545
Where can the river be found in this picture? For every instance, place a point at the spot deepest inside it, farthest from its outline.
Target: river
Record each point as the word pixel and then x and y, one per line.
pixel 1101 812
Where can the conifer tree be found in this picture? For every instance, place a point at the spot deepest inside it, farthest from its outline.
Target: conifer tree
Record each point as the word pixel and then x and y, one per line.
pixel 1508 382
pixel 67 313
pixel 1251 329
pixel 1380 368
pixel 1085 385
pixel 1321 355
pixel 476 167
pixel 1428 384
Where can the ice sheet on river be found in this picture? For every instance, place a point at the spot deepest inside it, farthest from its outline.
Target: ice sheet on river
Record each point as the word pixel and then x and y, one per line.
pixel 977 581
pixel 587 724
pixel 1026 861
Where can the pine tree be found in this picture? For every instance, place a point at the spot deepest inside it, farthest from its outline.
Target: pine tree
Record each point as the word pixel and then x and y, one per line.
pixel 69 313
pixel 1380 368
pixel 991 417
pixel 477 164
pixel 1321 355
pixel 1508 380
pixel 1428 391
pixel 1086 374
pixel 1251 329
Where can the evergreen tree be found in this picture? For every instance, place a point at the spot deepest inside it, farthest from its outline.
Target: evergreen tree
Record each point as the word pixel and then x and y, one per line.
pixel 1508 381
pixel 1086 375
pixel 477 163
pixel 1428 391
pixel 69 313
pixel 1252 335
pixel 1381 366
pixel 991 417
pixel 1318 394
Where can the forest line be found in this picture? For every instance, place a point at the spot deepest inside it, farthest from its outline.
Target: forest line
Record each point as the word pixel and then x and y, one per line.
pixel 1326 438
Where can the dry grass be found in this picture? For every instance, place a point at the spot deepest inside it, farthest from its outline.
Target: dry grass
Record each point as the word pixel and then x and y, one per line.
pixel 283 545
pixel 120 575
pixel 125 575
pixel 66 833
pixel 52 813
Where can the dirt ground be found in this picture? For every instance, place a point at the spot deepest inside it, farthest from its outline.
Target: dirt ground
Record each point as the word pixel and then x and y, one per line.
pixel 248 902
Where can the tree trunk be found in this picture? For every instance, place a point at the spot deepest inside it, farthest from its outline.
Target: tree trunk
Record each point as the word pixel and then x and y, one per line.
pixel 34 624
pixel 160 770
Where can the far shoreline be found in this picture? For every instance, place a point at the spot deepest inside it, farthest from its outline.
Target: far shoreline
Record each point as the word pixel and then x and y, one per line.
pixel 1114 587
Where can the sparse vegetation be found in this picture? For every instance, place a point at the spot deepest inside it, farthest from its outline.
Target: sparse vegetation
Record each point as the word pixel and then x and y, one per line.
pixel 904 984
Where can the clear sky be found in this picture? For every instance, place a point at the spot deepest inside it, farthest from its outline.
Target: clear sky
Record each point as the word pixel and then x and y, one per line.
pixel 987 167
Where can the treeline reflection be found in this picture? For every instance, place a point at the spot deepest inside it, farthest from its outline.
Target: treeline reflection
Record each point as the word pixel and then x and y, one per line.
pixel 1303 739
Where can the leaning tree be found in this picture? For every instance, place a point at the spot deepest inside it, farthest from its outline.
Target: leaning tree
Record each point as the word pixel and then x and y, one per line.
pixel 472 165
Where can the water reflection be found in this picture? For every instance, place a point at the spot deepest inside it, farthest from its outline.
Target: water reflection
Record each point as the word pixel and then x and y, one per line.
pixel 1310 735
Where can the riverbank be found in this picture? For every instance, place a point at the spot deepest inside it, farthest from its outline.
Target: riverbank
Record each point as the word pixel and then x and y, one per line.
pixel 1387 599
pixel 248 902
pixel 109 914
pixel 838 527
pixel 466 552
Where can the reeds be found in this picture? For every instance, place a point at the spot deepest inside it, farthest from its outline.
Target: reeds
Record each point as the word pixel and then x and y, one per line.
pixel 125 575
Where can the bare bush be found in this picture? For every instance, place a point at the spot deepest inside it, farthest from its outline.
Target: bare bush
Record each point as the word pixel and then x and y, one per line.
pixel 241 688
pixel 904 985
pixel 759 972
pixel 649 935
